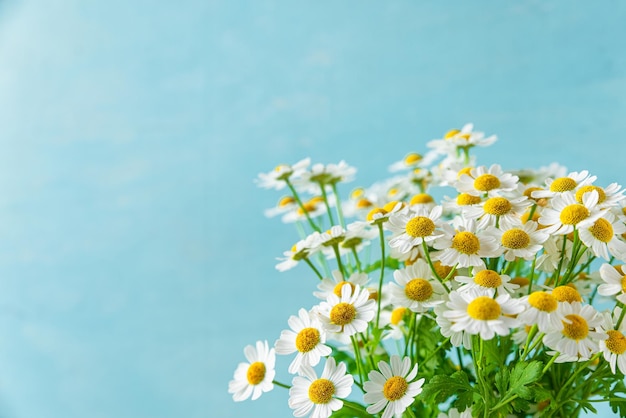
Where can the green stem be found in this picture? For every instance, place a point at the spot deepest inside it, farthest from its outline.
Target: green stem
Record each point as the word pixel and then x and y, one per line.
pixel 410 412
pixel 342 222
pixel 301 205
pixel 359 410
pixel 432 266
pixel 579 370
pixel 382 272
pixel 532 275
pixel 338 257
pixel 552 360
pixel 555 279
pixel 317 272
pixel 325 197
pixel 282 385
pixel 357 359
pixel 356 259
pixel 529 338
pixel 621 316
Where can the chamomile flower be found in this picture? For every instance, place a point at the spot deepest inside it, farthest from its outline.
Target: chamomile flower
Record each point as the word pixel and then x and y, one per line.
pixel 412 228
pixel 614 347
pixel 332 238
pixel 603 237
pixel 328 285
pixel 607 197
pixel 358 235
pixel 411 161
pixel 465 246
pixel 614 282
pixel 349 313
pixel 479 313
pixel 313 208
pixel 392 388
pixel 301 250
pixel 542 310
pixel 577 340
pixel 319 397
pixel 457 337
pixel 306 337
pixel 465 137
pixel 564 185
pixel 498 211
pixel 321 175
pixel 394 320
pixel 254 377
pixel 566 213
pixel 284 205
pixel 277 178
pixel 520 240
pixel 549 260
pixel 483 181
pixel 484 280
pixel 415 288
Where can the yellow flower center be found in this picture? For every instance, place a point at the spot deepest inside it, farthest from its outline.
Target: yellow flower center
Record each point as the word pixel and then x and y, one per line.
pixel 466 243
pixel 577 329
pixel 321 391
pixel 338 286
pixel 389 206
pixel 421 198
pixel 420 226
pixel 543 301
pixel 306 208
pixel 515 239
pixel 497 206
pixel 602 230
pixel 307 339
pixel 364 203
pixel 397 315
pixel 566 294
pixel 342 313
pixel 624 284
pixel 581 192
pixel 465 199
pixel 529 191
pixel 616 342
pixel 572 214
pixel 357 193
pixel 465 170
pixel 484 308
pixel 451 133
pixel 486 182
pixel 256 373
pixel 520 281
pixel 371 213
pixel 412 158
pixel 441 270
pixel 285 201
pixel 488 278
pixel 418 290
pixel 562 184
pixel 395 387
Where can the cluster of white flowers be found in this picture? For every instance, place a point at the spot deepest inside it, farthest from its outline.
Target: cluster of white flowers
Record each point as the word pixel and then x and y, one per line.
pixel 512 257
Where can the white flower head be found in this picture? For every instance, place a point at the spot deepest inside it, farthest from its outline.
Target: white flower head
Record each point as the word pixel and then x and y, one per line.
pixel 457 337
pixel 318 397
pixel 412 228
pixel 603 237
pixel 392 388
pixel 564 185
pixel 490 181
pixel 349 313
pixel 542 310
pixel 484 280
pixel 566 213
pixel 277 178
pixel 577 340
pixel 465 137
pixel 498 210
pixel 415 287
pixel 334 285
pixel 478 313
pixel 614 282
pixel 306 337
pixel 465 246
pixel 519 240
pixel 614 347
pixel 300 250
pixel 255 376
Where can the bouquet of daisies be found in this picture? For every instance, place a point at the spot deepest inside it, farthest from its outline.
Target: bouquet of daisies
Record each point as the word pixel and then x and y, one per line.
pixel 503 299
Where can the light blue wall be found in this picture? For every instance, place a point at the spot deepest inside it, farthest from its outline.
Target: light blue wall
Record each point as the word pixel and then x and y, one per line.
pixel 135 261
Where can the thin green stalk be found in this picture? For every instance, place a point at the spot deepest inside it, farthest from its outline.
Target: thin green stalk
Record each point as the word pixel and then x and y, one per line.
pixel 621 316
pixel 356 259
pixel 579 370
pixel 529 338
pixel 357 359
pixel 555 279
pixel 410 412
pixel 325 197
pixel 552 360
pixel 301 205
pixel 338 257
pixel 342 222
pixel 381 236
pixel 532 275
pixel 282 385
pixel 432 266
pixel 317 272
pixel 357 409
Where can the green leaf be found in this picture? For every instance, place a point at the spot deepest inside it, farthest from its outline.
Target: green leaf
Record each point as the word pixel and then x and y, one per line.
pixel 442 387
pixel 522 375
pixel 618 405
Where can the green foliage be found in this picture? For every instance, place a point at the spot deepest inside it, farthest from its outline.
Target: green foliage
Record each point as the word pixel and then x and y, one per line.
pixel 442 387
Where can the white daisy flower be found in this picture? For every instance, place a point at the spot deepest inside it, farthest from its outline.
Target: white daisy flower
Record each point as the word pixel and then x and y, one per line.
pixel 276 179
pixel 479 313
pixel 420 200
pixel 319 397
pixel 484 280
pixel 301 250
pixel 614 347
pixel 411 161
pixel 486 181
pixel 566 213
pixel 349 313
pixel 461 138
pixel 542 310
pixel 549 260
pixel 454 413
pixel 284 205
pixel 465 246
pixel 416 288
pixel 603 238
pixel 392 389
pixel 331 238
pixel 333 285
pixel 614 282
pixel 306 337
pixel 610 196
pixel 560 185
pixel 394 320
pixel 321 175
pixel 457 338
pixel 498 211
pixel 314 208
pixel 520 240
pixel 577 340
pixel 412 228
pixel 357 236
pixel 256 376
pixel 567 294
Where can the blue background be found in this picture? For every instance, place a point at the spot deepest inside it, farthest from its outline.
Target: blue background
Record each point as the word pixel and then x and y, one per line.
pixel 135 261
